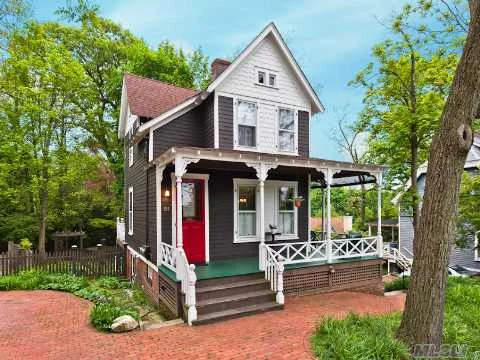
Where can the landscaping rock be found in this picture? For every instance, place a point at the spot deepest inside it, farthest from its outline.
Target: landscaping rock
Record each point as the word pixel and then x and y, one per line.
pixel 124 323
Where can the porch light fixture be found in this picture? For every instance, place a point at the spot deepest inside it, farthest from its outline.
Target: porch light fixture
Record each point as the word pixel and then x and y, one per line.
pixel 242 200
pixel 167 193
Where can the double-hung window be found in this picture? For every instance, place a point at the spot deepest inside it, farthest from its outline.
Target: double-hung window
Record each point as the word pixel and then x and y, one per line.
pixel 286 130
pixel 247 123
pixel 286 210
pixel 130 210
pixel 247 211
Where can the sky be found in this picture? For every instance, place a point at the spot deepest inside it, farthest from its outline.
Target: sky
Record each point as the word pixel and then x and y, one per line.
pixel 331 40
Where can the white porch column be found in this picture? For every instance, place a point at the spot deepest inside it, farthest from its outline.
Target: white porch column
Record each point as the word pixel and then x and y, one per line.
pixel 379 216
pixel 262 170
pixel 178 211
pixel 261 248
pixel 158 186
pixel 329 179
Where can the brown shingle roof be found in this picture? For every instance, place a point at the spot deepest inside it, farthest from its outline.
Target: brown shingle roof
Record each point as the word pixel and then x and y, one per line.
pixel 151 98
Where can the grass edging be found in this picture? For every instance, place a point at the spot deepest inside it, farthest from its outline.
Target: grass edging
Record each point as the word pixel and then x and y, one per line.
pixel 111 296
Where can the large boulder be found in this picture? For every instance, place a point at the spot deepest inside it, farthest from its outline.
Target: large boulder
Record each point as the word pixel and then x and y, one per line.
pixel 124 323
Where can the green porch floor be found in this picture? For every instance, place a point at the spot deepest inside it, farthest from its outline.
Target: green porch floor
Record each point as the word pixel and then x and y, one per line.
pixel 244 266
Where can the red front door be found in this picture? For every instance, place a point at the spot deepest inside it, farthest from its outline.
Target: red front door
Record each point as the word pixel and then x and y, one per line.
pixel 193 211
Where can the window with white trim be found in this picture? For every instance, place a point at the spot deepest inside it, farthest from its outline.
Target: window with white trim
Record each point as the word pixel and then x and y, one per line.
pixel 286 210
pixel 286 130
pixel 266 77
pixel 130 156
pixel 247 211
pixel 130 210
pixel 246 123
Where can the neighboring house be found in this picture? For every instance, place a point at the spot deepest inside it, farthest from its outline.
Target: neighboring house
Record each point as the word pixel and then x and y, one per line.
pixel 207 173
pixel 468 256
pixel 341 225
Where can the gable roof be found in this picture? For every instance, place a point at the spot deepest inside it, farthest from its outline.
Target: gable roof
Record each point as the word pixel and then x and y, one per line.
pixel 317 105
pixel 150 98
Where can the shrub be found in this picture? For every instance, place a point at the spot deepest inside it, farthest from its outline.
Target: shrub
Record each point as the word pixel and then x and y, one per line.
pixel 367 337
pixel 104 313
pixel 401 283
pixel 25 244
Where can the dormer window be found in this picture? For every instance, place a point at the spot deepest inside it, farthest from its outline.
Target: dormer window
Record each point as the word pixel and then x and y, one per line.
pixel 266 77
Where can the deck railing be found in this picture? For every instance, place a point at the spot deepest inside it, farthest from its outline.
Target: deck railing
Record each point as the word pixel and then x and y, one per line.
pixel 168 256
pixel 356 247
pixel 120 230
pixel 299 252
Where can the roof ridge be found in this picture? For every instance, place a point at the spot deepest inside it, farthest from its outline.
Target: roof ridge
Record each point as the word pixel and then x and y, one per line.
pixel 159 81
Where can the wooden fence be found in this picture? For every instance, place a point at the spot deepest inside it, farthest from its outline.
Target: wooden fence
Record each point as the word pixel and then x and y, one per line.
pixel 101 261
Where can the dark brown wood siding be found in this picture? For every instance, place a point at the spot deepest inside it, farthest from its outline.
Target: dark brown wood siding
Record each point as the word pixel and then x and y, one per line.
pixel 303 133
pixel 225 122
pixel 144 210
pixel 194 128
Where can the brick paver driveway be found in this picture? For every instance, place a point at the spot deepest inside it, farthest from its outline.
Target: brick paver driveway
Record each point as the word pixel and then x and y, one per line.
pixel 54 325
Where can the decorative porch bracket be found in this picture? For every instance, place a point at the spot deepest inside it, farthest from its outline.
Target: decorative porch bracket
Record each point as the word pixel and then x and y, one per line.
pixel 262 170
pixel 328 176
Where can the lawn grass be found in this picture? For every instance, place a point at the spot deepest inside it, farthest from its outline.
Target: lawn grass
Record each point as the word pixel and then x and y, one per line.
pixel 112 296
pixel 400 283
pixel 373 337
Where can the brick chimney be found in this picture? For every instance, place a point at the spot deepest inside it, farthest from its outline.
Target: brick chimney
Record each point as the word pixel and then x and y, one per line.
pixel 218 66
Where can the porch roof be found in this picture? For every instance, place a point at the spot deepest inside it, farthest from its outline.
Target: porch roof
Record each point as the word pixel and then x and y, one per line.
pixel 345 173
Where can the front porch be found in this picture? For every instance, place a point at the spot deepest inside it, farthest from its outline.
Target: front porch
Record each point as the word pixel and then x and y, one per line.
pixel 239 215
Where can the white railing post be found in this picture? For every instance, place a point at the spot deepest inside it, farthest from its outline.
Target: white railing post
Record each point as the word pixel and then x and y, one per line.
pixel 329 179
pixel 279 270
pixel 379 216
pixel 190 298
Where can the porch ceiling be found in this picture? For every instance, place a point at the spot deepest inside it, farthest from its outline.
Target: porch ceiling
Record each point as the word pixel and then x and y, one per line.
pixel 345 173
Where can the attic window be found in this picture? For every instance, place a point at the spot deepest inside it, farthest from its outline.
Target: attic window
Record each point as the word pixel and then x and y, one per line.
pixel 266 77
pixel 261 77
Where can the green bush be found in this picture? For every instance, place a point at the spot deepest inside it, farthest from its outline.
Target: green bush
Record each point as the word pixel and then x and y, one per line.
pixel 25 244
pixel 103 314
pixel 355 337
pixel 401 283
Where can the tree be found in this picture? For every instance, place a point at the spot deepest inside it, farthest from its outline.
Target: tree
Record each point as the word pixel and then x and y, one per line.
pixel 348 138
pixel 38 80
pixel 422 321
pixel 13 14
pixel 406 87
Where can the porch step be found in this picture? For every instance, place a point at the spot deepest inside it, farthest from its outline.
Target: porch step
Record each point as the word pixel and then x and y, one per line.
pixel 229 279
pixel 234 301
pixel 237 312
pixel 232 288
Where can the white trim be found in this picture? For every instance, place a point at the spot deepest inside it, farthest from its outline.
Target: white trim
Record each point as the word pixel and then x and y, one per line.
pixel 141 257
pixel 123 110
pixel 205 178
pixel 216 127
pixel 158 207
pixel 275 184
pixel 130 219
pixel 309 182
pixel 130 156
pixel 236 145
pixel 270 29
pixel 150 145
pixel 295 130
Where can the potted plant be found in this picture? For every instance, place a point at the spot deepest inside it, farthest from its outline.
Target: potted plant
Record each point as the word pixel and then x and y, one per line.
pixel 298 201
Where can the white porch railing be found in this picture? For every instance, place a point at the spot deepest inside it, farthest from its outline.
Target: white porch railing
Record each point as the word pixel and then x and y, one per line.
pixel 299 252
pixel 399 258
pixel 120 230
pixel 274 267
pixel 176 260
pixel 349 248
pixel 168 256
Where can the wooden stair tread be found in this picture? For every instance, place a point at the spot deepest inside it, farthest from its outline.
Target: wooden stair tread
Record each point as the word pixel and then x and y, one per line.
pixel 236 284
pixel 237 297
pixel 237 312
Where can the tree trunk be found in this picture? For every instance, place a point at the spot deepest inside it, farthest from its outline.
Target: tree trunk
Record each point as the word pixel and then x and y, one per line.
pixel 363 204
pixel 414 177
pixel 43 194
pixel 423 316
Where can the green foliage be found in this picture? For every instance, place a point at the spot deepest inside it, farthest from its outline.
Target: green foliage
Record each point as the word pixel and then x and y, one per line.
pixel 373 337
pixel 401 283
pixel 112 296
pixel 25 244
pixel 366 337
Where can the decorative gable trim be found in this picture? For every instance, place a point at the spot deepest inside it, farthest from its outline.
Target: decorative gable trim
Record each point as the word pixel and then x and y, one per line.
pixel 272 29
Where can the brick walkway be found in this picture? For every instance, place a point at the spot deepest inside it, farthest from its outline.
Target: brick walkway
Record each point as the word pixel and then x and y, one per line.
pixel 54 325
